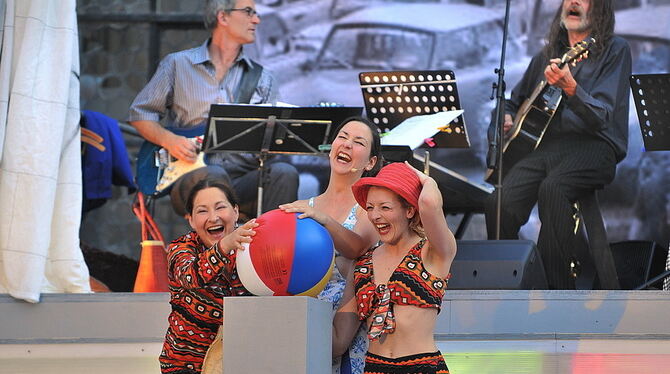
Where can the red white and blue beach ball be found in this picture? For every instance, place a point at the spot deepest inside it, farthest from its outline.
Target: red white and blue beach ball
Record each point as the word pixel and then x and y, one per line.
pixel 287 256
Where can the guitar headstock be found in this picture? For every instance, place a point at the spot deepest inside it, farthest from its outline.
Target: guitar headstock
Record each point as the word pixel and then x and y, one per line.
pixel 578 53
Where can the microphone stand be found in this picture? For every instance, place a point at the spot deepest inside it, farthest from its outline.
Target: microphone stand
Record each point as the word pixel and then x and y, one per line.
pixel 494 158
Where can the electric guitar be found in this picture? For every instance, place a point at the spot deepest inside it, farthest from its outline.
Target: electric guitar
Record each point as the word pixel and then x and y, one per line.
pixel 157 169
pixel 171 168
pixel 535 114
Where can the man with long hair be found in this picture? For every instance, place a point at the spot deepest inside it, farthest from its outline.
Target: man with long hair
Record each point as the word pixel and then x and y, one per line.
pixel 583 142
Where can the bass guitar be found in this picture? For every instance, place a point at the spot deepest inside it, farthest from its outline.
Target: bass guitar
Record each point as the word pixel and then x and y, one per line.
pixel 535 114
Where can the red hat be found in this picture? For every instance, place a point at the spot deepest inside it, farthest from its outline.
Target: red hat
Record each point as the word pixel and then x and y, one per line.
pixel 397 177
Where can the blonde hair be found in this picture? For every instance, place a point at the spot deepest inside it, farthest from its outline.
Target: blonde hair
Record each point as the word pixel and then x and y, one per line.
pixel 414 222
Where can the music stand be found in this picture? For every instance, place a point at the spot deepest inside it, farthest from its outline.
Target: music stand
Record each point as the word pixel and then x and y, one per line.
pixel 266 130
pixel 650 94
pixel 393 96
pixel 396 153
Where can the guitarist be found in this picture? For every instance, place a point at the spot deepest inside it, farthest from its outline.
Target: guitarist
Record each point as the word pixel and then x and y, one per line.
pixel 186 83
pixel 584 141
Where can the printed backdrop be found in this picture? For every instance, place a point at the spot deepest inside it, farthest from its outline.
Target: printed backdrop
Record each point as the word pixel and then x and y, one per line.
pixel 320 62
pixel 317 48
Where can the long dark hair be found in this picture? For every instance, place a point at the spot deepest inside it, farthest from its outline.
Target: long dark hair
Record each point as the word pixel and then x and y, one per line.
pixel 601 22
pixel 375 149
pixel 207 183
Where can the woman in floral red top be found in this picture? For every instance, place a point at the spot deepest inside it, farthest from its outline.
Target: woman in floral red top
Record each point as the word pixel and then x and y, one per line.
pixel 201 271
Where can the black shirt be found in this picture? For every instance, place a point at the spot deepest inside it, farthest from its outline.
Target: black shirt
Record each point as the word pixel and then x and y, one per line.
pixel 600 104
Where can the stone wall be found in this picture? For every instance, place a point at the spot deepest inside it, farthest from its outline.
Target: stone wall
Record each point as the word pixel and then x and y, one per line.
pixel 115 65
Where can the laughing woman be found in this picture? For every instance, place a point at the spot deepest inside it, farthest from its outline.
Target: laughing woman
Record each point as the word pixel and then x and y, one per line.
pixel 396 287
pixel 355 151
pixel 201 271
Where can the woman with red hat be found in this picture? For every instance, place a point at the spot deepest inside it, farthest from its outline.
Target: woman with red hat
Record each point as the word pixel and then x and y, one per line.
pixel 396 287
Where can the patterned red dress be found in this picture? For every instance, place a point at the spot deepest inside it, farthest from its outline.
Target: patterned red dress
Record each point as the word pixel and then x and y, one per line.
pixel 199 278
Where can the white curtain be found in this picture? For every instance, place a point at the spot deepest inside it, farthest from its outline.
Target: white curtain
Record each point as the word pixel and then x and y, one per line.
pixel 40 165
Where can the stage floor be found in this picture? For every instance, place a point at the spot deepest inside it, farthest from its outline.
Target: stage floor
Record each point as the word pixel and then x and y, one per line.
pixel 474 357
pixel 534 332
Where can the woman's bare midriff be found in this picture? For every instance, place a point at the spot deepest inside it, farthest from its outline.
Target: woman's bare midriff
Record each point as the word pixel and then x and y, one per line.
pixel 413 333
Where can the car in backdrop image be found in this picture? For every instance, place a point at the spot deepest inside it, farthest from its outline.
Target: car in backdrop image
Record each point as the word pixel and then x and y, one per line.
pixel 343 7
pixel 283 18
pixel 407 37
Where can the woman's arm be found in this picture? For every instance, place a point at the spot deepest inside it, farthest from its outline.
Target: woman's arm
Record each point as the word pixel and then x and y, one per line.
pixel 345 322
pixel 353 243
pixel 442 249
pixel 350 243
pixel 192 269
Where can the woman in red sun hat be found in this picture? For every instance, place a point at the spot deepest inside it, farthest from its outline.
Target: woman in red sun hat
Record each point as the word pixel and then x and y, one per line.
pixel 396 287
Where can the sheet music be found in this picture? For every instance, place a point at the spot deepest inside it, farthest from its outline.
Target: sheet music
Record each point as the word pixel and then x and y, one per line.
pixel 415 130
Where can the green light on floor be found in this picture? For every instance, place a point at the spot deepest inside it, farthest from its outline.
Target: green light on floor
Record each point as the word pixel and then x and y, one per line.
pixel 516 362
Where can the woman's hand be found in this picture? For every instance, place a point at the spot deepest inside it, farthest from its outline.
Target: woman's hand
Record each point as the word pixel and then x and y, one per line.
pixel 423 178
pixel 241 235
pixel 430 196
pixel 349 243
pixel 301 206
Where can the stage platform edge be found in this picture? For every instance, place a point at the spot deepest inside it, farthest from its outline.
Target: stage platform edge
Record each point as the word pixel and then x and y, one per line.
pixel 479 331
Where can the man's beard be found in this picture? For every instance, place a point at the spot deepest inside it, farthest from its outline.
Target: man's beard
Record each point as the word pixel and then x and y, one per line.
pixel 582 26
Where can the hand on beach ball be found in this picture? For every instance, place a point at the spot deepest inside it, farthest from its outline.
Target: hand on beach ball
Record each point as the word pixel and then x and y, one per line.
pixel 287 256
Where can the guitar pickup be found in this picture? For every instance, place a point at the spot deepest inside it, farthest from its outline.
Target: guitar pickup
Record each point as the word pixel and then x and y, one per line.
pixel 161 158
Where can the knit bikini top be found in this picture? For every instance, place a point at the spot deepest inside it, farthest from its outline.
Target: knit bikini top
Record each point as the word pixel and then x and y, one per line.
pixel 409 284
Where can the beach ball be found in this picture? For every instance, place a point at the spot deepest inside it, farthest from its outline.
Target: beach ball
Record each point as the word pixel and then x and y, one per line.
pixel 288 256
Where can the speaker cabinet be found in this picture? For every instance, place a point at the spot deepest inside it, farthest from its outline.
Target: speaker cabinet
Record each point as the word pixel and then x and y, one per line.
pixel 638 261
pixel 497 264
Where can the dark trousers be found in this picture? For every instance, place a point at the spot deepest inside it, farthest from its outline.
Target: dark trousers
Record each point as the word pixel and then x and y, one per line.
pixel 280 187
pixel 559 172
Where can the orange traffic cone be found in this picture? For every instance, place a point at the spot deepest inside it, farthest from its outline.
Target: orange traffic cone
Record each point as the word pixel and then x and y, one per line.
pixel 152 272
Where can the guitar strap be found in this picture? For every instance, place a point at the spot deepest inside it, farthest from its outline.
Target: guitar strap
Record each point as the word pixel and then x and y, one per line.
pixel 248 82
pixel 147 171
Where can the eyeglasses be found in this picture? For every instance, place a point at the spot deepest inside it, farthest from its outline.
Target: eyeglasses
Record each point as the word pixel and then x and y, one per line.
pixel 248 10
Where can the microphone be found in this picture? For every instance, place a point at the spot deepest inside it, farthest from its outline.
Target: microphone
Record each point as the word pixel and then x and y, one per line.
pixel 355 169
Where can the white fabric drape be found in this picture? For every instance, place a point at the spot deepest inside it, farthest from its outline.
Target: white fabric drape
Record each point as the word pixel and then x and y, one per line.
pixel 40 165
